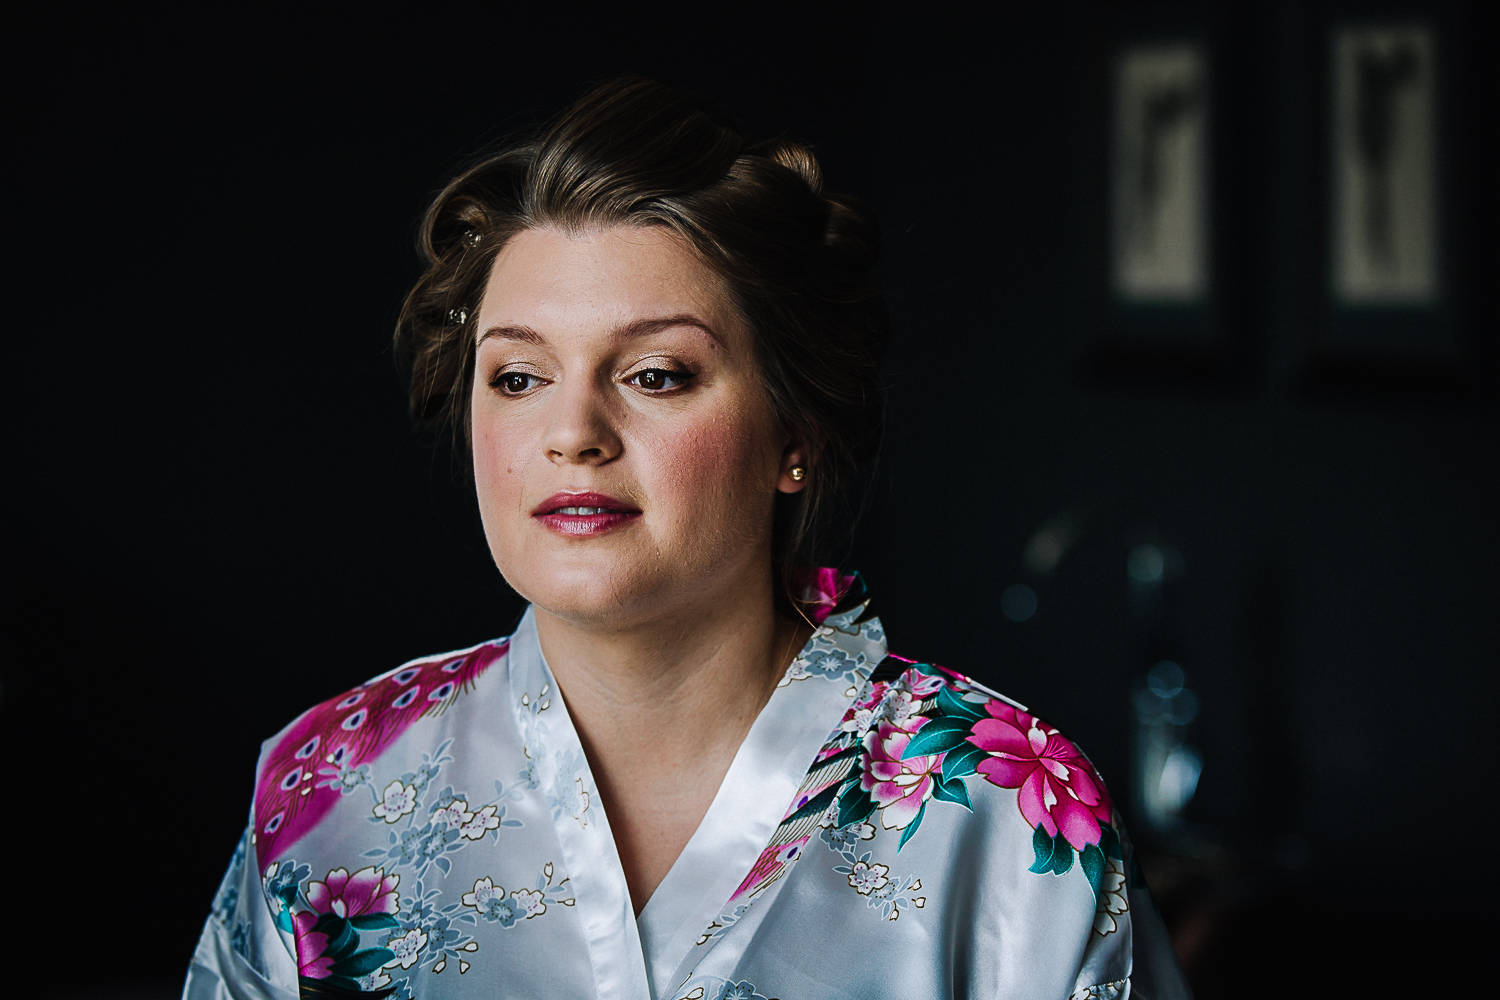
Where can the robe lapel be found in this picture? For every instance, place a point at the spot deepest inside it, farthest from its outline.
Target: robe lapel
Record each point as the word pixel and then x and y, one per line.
pixel 744 845
pixel 555 757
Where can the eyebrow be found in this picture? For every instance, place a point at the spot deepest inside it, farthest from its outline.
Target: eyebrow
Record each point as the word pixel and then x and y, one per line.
pixel 628 331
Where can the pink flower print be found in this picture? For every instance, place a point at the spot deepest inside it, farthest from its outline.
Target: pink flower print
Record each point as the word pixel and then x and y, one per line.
pixel 890 701
pixel 899 787
pixel 1059 789
pixel 922 685
pixel 311 944
pixel 369 890
pixel 819 590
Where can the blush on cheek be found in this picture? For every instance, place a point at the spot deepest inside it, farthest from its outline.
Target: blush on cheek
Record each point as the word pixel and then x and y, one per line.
pixel 717 479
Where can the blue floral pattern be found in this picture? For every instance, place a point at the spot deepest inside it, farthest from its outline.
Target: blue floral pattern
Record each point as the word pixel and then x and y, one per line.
pixel 825 657
pixel 449 821
pixel 715 988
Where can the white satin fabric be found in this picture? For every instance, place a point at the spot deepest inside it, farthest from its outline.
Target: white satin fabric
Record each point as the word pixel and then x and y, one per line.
pixel 475 859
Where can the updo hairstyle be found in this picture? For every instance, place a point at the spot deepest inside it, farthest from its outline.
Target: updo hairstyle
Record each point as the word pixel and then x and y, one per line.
pixel 797 262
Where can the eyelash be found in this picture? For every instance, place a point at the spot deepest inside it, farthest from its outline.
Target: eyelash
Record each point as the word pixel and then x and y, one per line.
pixel 682 378
pixel 498 383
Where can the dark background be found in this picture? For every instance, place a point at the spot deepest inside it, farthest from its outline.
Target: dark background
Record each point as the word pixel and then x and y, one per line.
pixel 220 514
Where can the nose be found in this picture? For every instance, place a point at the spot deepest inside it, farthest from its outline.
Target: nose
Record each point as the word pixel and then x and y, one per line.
pixel 581 431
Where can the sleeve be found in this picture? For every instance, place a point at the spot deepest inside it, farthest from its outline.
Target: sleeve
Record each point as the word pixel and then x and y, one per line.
pixel 1128 934
pixel 1155 972
pixel 241 954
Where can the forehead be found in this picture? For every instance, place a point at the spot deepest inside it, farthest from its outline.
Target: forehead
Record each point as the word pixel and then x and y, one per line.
pixel 557 281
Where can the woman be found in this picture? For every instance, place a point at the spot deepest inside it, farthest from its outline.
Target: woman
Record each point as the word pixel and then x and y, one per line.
pixel 693 771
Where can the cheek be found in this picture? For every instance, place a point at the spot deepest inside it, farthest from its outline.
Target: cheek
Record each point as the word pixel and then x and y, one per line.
pixel 726 465
pixel 495 464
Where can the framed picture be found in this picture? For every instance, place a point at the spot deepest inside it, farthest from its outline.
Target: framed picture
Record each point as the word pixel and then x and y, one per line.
pixel 1159 204
pixel 1387 315
pixel 1384 199
pixel 1285 199
pixel 1156 256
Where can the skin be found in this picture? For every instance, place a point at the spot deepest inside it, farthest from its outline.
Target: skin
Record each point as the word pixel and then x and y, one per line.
pixel 613 361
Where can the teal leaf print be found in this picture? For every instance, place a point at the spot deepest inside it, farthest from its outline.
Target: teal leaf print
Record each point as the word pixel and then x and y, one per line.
pixel 962 761
pixel 952 790
pixel 950 704
pixel 373 922
pixel 1109 842
pixel 911 827
pixel 341 937
pixel 855 805
pixel 939 736
pixel 1091 859
pixel 1053 854
pixel 362 963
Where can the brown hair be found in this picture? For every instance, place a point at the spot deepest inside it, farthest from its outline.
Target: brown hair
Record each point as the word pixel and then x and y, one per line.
pixel 796 260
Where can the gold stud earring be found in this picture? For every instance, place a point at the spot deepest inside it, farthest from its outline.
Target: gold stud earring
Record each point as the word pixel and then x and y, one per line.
pixel 798 473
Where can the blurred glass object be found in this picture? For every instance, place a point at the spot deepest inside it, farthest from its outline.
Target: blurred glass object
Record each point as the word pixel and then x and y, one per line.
pixel 1049 543
pixel 1384 227
pixel 1165 679
pixel 1045 550
pixel 1167 768
pixel 1160 175
pixel 1148 566
pixel 1146 563
pixel 1018 602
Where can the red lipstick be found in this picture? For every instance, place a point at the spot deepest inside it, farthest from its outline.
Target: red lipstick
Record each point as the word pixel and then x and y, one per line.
pixel 584 514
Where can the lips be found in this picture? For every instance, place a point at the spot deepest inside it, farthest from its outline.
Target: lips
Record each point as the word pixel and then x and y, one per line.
pixel 584 514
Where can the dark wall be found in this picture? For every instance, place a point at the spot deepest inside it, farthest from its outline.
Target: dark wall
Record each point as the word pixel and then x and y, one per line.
pixel 220 514
pixel 1337 530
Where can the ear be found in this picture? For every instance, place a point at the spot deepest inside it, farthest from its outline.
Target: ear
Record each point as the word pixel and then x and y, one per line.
pixel 794 457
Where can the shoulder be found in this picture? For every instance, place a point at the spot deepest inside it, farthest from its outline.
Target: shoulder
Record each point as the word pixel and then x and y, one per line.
pixel 1011 802
pixel 305 767
pixel 424 686
pixel 927 731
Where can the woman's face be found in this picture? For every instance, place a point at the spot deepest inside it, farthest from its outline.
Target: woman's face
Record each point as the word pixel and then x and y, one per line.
pixel 625 452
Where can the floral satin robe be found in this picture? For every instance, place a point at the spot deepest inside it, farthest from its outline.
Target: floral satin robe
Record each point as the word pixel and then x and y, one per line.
pixel 888 829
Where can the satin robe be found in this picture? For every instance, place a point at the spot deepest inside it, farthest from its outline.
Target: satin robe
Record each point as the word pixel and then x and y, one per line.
pixel 887 829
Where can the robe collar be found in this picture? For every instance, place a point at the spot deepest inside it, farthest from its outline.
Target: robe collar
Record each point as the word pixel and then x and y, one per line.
pixel 723 862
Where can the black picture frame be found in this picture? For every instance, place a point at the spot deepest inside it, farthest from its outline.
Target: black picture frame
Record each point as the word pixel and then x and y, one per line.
pixel 1406 342
pixel 1206 339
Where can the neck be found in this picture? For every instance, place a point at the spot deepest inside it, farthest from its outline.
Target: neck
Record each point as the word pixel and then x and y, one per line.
pixel 661 707
pixel 715 660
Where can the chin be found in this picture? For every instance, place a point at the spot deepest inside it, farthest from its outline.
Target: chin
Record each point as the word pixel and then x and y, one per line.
pixel 594 590
pixel 613 587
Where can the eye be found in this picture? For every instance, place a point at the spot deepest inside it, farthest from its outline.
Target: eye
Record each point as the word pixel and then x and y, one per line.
pixel 658 379
pixel 514 383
